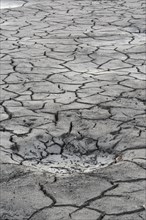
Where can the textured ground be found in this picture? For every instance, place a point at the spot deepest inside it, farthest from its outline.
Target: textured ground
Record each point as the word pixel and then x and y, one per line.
pixel 73 100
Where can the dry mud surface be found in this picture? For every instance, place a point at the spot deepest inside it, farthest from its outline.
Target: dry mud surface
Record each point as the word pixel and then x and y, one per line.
pixel 73 134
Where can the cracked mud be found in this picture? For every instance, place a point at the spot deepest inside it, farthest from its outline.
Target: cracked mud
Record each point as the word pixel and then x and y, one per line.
pixel 72 123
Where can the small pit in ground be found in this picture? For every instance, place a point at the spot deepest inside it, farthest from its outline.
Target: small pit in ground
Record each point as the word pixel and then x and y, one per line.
pixel 64 154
